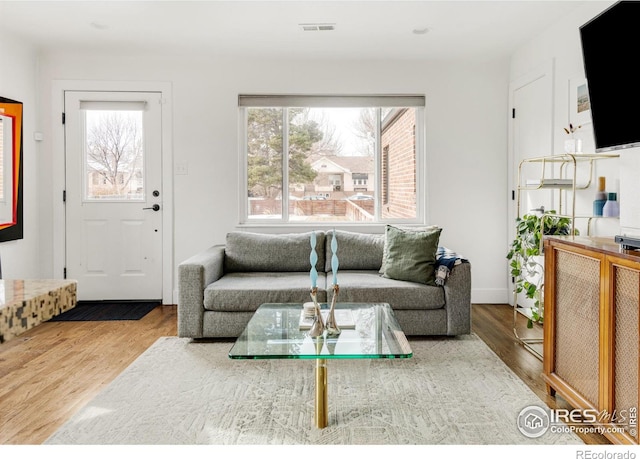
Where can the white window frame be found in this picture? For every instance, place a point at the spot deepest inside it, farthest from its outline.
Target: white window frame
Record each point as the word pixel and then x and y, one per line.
pixel 335 101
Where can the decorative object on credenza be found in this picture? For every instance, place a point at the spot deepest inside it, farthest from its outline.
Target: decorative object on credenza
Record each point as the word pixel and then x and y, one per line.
pixel 317 328
pixel 611 207
pixel 331 324
pixel 601 197
pixel 11 221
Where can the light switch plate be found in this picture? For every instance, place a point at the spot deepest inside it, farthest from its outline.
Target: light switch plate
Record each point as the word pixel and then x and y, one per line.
pixel 181 168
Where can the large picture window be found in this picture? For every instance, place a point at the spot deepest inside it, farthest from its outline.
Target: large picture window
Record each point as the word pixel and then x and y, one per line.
pixel 332 159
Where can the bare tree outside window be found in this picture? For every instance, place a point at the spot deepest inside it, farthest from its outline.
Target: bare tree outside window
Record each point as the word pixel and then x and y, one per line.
pixel 364 129
pixel 330 144
pixel 114 155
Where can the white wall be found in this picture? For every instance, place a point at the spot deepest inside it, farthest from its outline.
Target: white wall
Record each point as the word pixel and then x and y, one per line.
pixel 561 43
pixel 18 70
pixel 466 122
pixel 466 137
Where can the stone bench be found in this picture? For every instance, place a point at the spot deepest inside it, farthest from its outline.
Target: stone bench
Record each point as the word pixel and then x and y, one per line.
pixel 27 303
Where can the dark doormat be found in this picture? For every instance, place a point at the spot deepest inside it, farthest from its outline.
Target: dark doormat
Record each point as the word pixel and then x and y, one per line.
pixel 107 310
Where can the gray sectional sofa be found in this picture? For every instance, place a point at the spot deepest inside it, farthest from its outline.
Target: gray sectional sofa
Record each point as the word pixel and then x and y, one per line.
pixel 221 287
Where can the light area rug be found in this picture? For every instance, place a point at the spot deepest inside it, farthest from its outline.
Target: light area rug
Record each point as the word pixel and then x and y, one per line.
pixel 453 391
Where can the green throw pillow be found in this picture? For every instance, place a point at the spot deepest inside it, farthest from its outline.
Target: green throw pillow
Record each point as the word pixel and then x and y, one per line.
pixel 411 255
pixel 403 228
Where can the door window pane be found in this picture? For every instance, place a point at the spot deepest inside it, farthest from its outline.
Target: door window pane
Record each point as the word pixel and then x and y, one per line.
pixel 114 155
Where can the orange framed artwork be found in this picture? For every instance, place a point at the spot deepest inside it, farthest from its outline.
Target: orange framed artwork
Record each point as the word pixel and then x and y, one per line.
pixel 11 222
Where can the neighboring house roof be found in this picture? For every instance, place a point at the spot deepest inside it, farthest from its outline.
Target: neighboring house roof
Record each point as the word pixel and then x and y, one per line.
pixel 349 164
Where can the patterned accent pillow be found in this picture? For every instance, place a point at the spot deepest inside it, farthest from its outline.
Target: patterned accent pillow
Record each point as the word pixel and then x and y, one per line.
pixel 411 255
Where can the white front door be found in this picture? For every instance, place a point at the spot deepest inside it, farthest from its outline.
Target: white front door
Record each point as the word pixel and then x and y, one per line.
pixel 113 207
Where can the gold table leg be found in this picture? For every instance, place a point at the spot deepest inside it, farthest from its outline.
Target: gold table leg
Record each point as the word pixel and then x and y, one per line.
pixel 322 406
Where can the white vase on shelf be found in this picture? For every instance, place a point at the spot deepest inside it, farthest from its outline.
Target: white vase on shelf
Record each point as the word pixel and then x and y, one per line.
pixel 570 146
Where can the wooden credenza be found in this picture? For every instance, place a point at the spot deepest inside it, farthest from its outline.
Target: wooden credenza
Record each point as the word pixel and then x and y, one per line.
pixel 592 330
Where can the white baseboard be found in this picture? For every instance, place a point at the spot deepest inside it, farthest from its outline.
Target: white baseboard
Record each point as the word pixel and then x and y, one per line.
pixel 490 295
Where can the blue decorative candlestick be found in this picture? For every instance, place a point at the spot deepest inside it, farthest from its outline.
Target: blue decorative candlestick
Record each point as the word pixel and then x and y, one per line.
pixel 331 325
pixel 313 259
pixel 317 327
pixel 334 258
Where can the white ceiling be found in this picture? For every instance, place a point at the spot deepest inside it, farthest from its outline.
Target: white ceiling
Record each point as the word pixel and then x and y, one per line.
pixel 480 30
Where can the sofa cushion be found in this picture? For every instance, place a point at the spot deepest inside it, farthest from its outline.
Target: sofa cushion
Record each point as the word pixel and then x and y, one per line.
pixel 411 255
pixel 247 291
pixel 355 251
pixel 405 228
pixel 370 287
pixel 256 252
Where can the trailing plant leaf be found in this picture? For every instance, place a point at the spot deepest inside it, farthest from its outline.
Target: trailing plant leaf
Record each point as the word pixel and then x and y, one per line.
pixel 524 249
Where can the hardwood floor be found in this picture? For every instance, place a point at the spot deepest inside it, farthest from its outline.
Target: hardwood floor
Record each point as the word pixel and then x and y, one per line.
pixel 494 325
pixel 51 371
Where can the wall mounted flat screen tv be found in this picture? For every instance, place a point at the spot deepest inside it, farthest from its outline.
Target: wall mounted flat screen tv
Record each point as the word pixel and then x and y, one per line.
pixel 610 48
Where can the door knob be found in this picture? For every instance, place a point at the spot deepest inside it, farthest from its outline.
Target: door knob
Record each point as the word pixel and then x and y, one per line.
pixel 155 207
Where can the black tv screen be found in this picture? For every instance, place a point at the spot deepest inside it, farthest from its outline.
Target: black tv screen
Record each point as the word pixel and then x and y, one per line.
pixel 610 48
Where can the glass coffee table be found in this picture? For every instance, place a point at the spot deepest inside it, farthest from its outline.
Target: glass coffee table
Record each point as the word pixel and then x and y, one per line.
pixel 370 331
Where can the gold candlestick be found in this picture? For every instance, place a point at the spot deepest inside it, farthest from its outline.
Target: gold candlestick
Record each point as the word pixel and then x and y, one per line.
pixel 317 327
pixel 331 325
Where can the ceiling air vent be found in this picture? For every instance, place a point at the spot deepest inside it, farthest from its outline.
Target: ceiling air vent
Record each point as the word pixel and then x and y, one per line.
pixel 317 27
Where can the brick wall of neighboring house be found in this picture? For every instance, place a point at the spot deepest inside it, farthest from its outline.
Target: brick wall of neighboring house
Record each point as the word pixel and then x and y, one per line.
pixel 398 175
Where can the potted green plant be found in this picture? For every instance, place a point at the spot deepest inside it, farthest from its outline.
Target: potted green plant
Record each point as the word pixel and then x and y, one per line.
pixel 525 255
